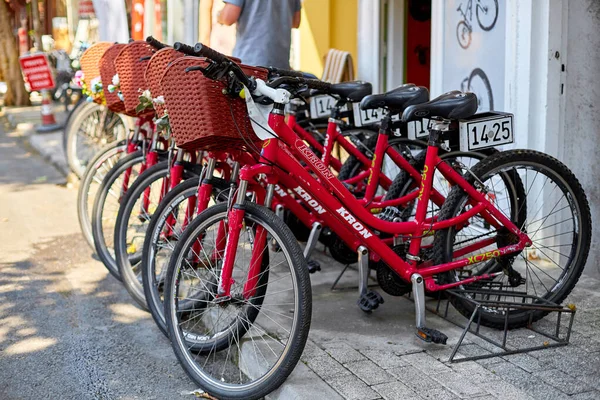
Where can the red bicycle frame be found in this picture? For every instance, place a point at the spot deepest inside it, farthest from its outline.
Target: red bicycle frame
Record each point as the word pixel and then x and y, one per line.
pixel 355 224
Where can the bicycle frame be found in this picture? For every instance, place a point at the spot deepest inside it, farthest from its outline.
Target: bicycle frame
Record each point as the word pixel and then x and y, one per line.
pixel 352 217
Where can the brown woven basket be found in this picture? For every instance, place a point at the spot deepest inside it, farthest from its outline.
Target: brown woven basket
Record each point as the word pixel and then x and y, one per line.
pixel 200 115
pixel 131 64
pixel 90 64
pixel 155 70
pixel 107 72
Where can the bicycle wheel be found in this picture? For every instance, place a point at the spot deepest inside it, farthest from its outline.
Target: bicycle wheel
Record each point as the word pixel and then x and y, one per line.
pixel 170 219
pixel 463 34
pixel 106 207
pixel 557 220
pixel 487 14
pixel 244 347
pixel 135 213
pixel 91 128
pixel 95 172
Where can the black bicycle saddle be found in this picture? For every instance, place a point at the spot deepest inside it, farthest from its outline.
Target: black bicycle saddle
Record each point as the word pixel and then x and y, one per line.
pixel 352 91
pixel 451 105
pixel 397 99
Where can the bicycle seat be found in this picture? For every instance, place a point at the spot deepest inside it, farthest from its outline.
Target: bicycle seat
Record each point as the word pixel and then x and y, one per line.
pixel 397 99
pixel 352 91
pixel 451 105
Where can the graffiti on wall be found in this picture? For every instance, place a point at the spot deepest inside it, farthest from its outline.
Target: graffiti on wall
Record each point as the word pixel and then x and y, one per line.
pixel 474 49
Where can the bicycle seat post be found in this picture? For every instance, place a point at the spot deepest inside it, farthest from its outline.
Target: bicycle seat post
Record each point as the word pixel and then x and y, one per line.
pixel 440 126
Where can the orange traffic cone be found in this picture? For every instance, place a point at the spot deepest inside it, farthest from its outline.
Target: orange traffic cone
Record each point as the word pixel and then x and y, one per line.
pixel 48 121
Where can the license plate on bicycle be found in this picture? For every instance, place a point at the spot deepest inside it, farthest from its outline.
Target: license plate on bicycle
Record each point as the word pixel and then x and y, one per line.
pixel 485 130
pixel 320 106
pixel 419 129
pixel 366 117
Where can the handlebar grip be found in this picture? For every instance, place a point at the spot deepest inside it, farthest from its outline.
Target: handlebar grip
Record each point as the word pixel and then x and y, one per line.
pixel 287 72
pixel 205 51
pixel 319 85
pixel 155 43
pixel 184 48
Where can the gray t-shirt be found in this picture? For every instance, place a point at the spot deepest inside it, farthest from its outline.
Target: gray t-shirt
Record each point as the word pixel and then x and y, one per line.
pixel 264 31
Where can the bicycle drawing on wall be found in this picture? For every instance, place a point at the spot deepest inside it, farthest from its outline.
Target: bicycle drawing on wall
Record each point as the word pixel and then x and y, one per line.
pixel 478 83
pixel 486 12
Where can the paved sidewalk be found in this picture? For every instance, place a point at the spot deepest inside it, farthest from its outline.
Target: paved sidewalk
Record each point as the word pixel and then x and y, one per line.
pixel 22 121
pixel 85 338
pixel 377 356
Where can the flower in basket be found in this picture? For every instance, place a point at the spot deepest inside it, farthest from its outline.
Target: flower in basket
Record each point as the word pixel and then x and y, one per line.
pixel 89 99
pixel 115 84
pixel 162 124
pixel 145 101
pixel 159 100
pixel 120 95
pixel 96 85
pixel 78 78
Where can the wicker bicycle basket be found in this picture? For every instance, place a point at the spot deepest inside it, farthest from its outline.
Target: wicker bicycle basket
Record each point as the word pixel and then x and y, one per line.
pixel 90 65
pixel 155 70
pixel 131 65
pixel 107 72
pixel 200 115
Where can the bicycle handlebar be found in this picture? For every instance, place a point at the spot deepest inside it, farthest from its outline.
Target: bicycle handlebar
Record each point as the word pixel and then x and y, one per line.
pixel 205 51
pixel 184 48
pixel 155 43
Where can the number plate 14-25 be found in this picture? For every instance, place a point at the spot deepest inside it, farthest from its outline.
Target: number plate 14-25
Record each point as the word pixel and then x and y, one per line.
pixel 486 130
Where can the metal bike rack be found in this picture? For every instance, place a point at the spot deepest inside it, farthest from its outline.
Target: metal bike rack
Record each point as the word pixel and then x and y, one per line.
pixel 493 297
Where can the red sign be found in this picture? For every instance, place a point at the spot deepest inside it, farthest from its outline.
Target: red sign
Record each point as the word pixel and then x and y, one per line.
pixel 37 72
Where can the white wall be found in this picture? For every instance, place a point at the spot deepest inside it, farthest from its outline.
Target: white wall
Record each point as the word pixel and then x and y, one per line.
pixel 582 116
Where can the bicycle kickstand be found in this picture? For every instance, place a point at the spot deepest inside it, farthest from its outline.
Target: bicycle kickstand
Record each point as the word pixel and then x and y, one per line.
pixel 313 238
pixel 428 335
pixel 368 300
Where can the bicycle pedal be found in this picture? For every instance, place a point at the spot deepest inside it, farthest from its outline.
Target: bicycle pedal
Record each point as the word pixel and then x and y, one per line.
pixel 313 266
pixel 431 335
pixel 369 301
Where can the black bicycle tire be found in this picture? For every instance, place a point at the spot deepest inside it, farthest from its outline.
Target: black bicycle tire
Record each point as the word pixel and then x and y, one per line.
pixel 82 200
pixel 148 177
pixel 97 230
pixel 302 325
pixel 487 28
pixel 443 237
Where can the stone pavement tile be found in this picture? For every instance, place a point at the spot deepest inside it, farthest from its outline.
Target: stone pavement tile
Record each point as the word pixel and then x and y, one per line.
pixel 586 328
pixel 352 388
pixel 395 391
pixel 591 379
pixel 528 363
pixel 414 379
pixel 384 359
pixel 460 384
pixel 326 367
pixel 471 350
pixel 490 361
pixel 587 316
pixel 342 352
pixel 440 394
pixel 587 343
pixel 369 372
pixel 593 395
pixel 311 350
pixel 525 381
pixel 425 363
pixel 562 381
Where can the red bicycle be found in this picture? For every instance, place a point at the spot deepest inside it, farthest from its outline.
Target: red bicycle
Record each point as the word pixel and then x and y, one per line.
pixel 239 317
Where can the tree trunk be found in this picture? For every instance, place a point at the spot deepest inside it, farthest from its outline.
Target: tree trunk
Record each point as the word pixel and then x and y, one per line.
pixel 37 29
pixel 9 62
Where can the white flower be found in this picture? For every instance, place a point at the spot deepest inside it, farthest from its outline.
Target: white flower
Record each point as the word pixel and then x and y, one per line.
pixel 96 85
pixel 146 94
pixel 159 100
pixel 115 80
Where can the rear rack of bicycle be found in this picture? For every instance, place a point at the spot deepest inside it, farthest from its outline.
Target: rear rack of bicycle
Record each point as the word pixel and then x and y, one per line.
pixel 554 330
